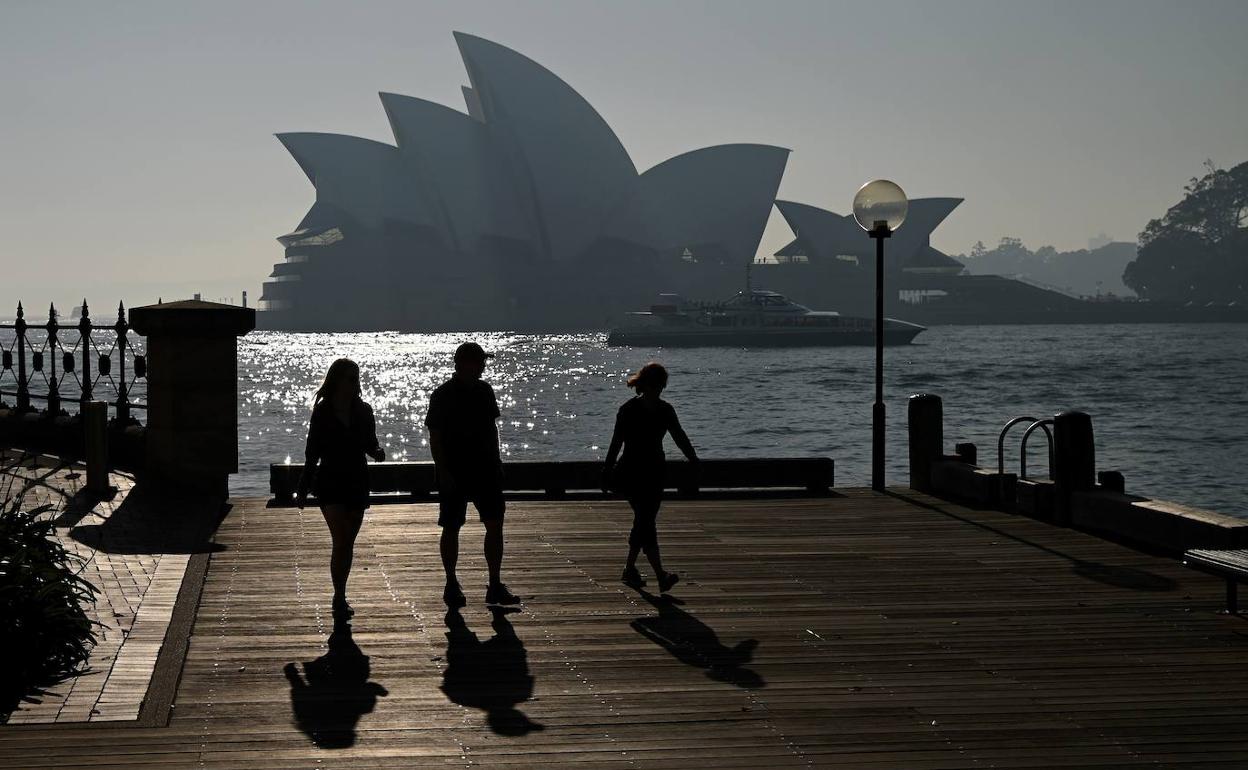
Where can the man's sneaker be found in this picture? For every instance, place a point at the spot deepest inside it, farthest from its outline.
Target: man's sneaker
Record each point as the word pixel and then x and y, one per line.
pixel 453 595
pixel 499 594
pixel 632 578
pixel 667 580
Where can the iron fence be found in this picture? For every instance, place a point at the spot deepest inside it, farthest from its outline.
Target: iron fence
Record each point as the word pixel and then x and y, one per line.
pixel 68 366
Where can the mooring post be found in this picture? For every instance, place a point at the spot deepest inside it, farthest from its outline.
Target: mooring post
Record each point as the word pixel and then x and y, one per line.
pixel 1074 460
pixel 927 438
pixel 95 435
pixel 192 392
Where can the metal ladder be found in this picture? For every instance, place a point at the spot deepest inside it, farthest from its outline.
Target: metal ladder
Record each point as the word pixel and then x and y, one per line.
pixel 1048 434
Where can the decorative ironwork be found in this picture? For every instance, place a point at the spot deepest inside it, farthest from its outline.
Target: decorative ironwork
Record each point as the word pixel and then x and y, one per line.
pixel 36 363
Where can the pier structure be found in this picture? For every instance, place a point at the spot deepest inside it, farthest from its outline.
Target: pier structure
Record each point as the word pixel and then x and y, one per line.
pixel 1075 493
pixel 938 625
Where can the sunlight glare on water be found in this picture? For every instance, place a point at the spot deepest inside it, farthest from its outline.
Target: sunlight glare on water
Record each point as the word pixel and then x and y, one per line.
pixel 1168 402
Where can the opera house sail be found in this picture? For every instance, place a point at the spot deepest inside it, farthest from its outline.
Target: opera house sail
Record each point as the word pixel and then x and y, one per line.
pixel 524 211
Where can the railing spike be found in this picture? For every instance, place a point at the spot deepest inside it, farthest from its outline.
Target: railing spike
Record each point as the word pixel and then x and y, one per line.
pixel 20 313
pixel 84 307
pixel 121 313
pixel 51 311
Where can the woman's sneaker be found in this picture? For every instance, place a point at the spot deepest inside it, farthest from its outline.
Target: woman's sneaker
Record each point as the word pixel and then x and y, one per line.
pixel 498 594
pixel 632 578
pixel 453 595
pixel 667 580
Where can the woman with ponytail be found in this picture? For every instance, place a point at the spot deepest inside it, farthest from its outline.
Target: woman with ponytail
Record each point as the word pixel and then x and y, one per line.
pixel 640 426
pixel 341 433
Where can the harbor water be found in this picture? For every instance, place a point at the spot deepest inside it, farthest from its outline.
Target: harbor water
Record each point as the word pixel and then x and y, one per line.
pixel 1169 402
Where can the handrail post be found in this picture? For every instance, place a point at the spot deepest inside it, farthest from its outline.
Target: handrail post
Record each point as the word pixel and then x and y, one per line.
pixel 84 331
pixel 1022 451
pixel 95 434
pixel 19 329
pixel 123 397
pixel 54 392
pixel 1001 441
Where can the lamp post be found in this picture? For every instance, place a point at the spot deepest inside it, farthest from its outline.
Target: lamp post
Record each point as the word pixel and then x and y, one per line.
pixel 879 208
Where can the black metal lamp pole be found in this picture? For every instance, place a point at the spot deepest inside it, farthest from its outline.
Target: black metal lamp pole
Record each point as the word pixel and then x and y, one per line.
pixel 879 232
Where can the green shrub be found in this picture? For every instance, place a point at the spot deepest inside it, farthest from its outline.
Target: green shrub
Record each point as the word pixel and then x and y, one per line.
pixel 44 629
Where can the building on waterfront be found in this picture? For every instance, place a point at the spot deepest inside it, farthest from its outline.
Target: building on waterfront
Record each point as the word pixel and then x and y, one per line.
pixel 523 211
pixel 830 263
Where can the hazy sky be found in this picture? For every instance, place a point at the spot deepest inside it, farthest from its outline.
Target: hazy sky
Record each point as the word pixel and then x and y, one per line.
pixel 138 159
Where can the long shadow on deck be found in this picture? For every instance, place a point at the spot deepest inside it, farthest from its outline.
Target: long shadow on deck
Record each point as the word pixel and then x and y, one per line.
pixel 334 692
pixel 492 675
pixel 696 644
pixel 151 521
pixel 1118 576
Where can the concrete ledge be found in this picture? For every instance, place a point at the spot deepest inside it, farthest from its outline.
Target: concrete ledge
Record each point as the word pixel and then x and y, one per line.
pixel 814 474
pixel 62 436
pixel 963 481
pixel 1167 525
pixel 1035 498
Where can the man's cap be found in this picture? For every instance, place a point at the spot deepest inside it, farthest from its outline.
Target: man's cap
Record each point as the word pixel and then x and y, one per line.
pixel 471 351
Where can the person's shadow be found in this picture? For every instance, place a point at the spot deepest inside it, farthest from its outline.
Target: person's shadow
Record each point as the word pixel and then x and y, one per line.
pixel 492 675
pixel 696 644
pixel 333 692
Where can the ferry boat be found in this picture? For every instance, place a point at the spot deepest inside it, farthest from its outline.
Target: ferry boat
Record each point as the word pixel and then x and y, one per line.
pixel 752 318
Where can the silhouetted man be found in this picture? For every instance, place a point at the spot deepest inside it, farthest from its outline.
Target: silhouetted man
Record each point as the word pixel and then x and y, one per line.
pixel 463 437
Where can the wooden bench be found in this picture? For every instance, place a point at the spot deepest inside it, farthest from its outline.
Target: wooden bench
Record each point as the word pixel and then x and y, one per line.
pixel 554 479
pixel 1231 565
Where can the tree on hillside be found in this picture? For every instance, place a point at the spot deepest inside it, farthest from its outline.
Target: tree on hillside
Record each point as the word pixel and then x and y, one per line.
pixel 1080 272
pixel 1198 251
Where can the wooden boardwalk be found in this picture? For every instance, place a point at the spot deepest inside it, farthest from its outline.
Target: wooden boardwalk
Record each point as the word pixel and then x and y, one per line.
pixel 863 630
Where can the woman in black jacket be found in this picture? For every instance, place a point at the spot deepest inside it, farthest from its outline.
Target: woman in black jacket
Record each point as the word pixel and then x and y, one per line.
pixel 341 432
pixel 640 426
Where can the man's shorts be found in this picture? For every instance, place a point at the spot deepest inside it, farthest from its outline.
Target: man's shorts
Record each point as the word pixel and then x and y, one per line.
pixel 453 506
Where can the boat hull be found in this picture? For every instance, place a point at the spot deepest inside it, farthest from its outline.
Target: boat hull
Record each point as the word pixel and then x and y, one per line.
pixel 755 338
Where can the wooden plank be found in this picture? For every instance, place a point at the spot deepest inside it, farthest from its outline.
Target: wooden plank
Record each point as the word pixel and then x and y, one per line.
pixel 863 630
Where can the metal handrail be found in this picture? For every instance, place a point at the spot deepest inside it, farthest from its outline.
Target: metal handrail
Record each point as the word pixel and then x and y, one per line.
pixel 25 360
pixel 46 397
pixel 1001 441
pixel 1022 452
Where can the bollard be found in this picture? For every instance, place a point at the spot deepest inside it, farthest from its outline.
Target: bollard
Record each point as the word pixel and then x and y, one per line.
pixel 1074 460
pixel 927 438
pixel 1112 481
pixel 95 436
pixel 192 392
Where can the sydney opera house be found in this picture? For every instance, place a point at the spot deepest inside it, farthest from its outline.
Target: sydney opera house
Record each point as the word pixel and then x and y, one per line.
pixel 525 211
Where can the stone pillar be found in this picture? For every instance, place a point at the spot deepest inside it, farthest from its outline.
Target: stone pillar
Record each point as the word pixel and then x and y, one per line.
pixel 192 391
pixel 1074 460
pixel 927 438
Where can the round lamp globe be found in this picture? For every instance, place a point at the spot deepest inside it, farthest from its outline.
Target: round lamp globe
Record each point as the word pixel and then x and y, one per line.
pixel 880 201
